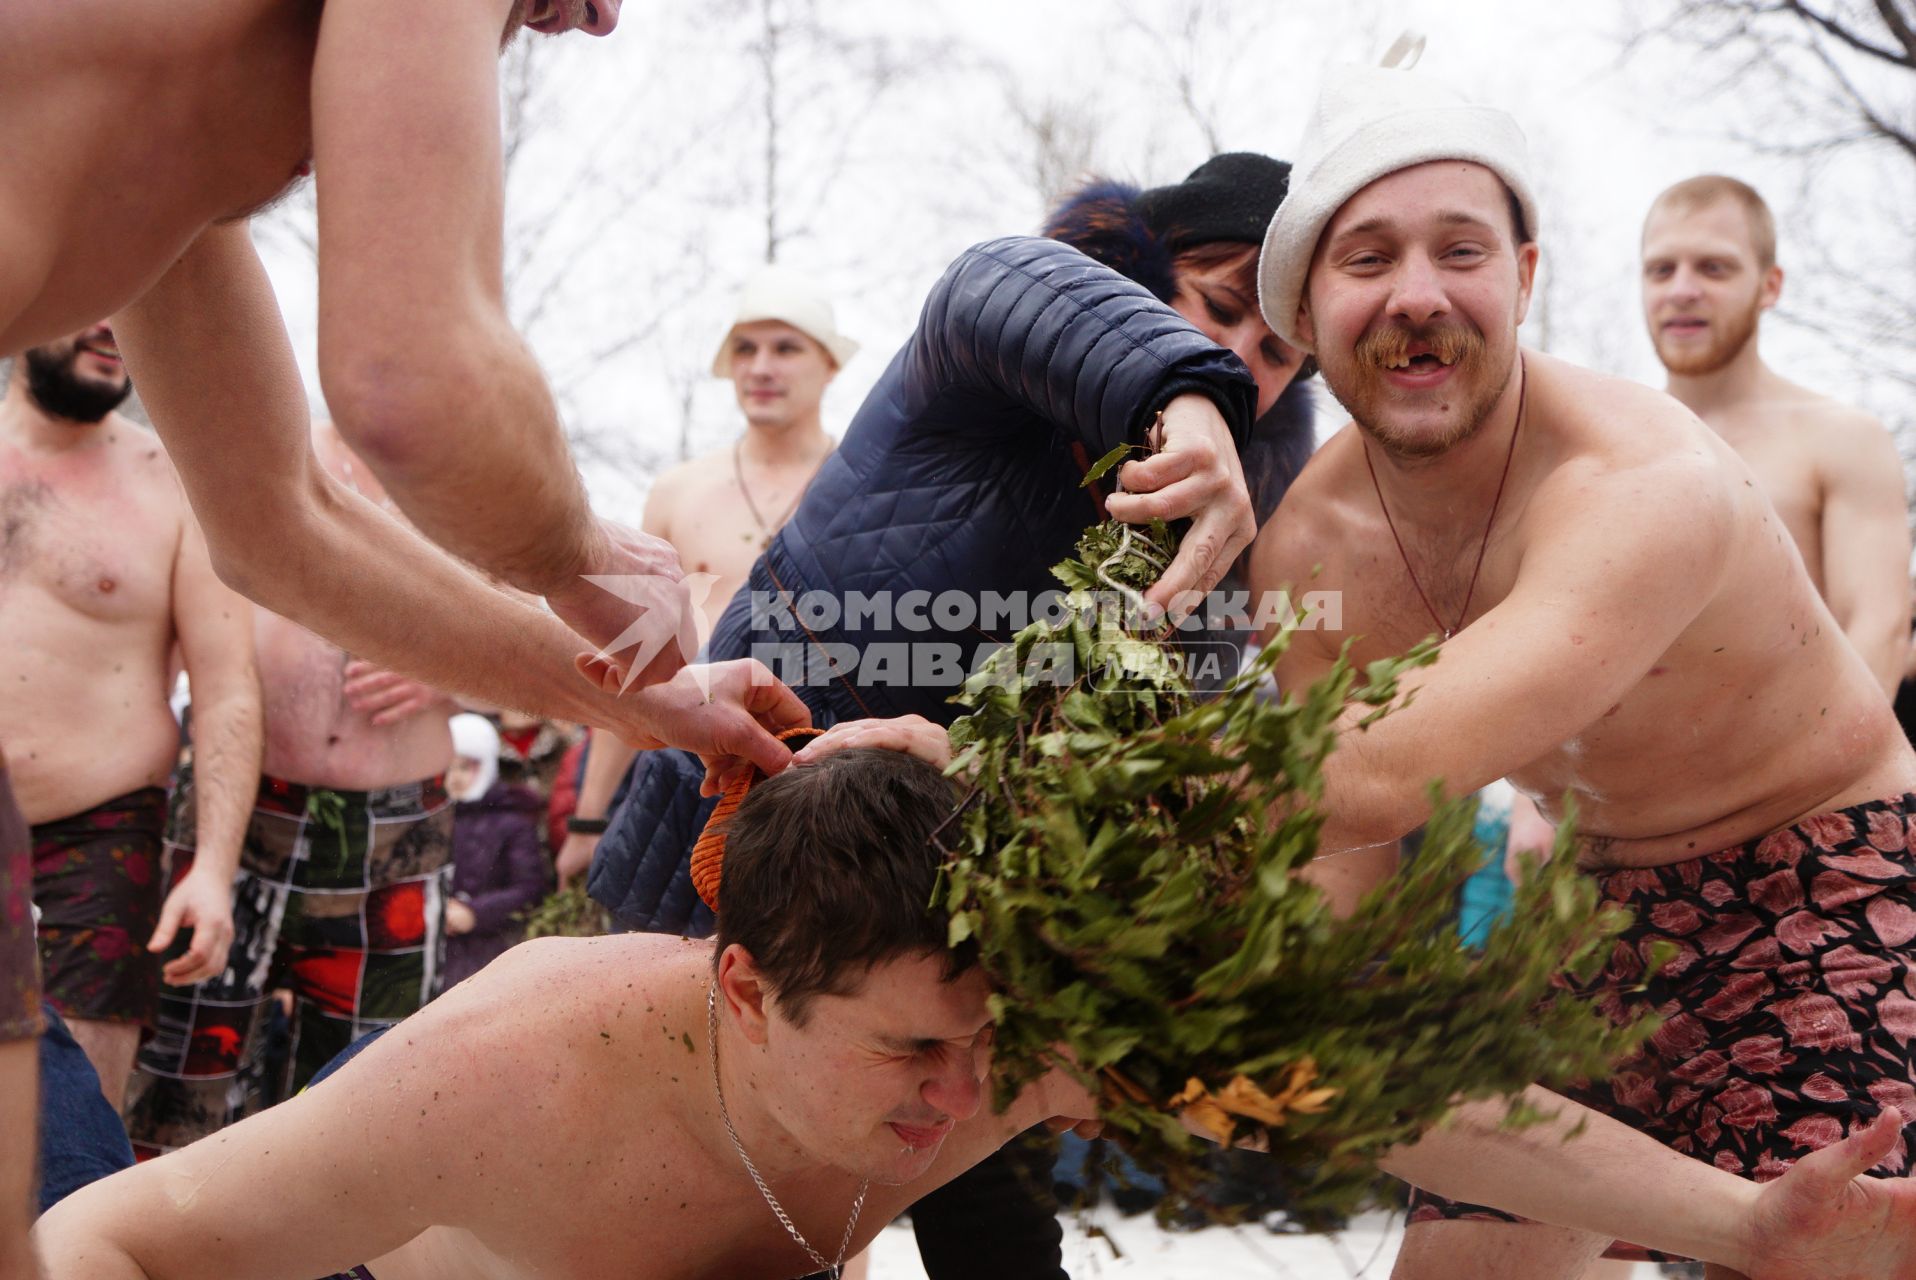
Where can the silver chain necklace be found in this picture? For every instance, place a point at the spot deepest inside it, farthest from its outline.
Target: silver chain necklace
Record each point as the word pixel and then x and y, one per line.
pixel 836 1267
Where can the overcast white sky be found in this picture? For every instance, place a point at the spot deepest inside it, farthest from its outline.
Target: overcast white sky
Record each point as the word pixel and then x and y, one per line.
pixel 638 204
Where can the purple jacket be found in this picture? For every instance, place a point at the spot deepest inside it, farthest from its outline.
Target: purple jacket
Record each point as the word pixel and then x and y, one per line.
pixel 498 870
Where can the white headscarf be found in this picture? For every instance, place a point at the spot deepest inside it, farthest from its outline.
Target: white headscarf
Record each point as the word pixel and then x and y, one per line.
pixel 474 738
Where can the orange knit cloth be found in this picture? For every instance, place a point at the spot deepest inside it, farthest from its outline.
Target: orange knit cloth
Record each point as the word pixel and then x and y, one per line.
pixel 708 855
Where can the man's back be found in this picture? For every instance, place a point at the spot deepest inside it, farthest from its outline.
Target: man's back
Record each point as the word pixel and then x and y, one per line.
pixel 132 127
pixel 86 603
pixel 551 1114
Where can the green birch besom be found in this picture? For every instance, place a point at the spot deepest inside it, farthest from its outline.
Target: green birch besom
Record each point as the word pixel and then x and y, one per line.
pixel 1126 864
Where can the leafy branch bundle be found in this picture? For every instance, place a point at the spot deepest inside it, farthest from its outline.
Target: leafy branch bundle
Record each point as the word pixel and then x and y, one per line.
pixel 565 913
pixel 1127 865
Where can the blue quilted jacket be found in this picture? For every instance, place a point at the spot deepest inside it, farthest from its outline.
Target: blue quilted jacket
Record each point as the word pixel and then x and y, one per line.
pixel 927 538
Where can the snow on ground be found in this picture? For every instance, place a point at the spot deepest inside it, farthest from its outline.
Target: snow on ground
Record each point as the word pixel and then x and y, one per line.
pixel 1366 1249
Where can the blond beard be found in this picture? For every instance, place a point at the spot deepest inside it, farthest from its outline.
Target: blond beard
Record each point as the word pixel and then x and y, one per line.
pixel 1726 345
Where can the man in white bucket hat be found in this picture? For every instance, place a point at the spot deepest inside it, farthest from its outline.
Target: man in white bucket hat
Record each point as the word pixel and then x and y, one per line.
pixel 1622 619
pixel 719 510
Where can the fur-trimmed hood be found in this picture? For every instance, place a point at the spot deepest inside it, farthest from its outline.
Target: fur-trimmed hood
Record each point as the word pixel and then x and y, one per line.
pixel 1104 220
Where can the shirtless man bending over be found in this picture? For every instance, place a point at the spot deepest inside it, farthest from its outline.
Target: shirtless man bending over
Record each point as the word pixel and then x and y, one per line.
pixel 852 1055
pixel 188 119
pixel 1831 471
pixel 343 876
pixel 1640 634
pixel 140 138
pixel 102 574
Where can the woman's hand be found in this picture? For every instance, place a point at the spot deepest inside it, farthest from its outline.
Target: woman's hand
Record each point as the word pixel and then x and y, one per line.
pixel 914 735
pixel 1195 474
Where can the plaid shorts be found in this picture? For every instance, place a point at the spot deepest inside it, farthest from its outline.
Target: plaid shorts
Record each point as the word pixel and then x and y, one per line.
pixel 1789 1008
pixel 340 897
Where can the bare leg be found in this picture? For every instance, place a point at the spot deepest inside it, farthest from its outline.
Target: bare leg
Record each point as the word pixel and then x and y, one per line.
pixel 1462 1250
pixel 19 1094
pixel 111 1048
pixel 857 1268
pixel 1711 1271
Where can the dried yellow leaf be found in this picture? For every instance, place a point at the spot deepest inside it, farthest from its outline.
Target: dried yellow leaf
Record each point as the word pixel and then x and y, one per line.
pixel 1242 1097
pixel 1207 1115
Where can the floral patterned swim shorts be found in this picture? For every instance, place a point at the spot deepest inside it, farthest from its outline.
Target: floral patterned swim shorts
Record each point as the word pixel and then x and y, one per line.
pixel 1789 1006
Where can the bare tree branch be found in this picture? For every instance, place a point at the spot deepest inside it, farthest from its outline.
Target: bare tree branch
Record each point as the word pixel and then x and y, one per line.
pixel 1849 37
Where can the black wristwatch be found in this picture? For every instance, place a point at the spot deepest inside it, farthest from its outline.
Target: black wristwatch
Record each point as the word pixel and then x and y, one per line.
pixel 585 826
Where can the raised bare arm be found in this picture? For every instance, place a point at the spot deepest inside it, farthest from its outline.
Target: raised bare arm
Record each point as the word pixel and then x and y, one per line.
pixel 208 351
pixel 424 374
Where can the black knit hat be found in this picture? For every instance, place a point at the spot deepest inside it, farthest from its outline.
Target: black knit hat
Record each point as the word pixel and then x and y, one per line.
pixel 1229 197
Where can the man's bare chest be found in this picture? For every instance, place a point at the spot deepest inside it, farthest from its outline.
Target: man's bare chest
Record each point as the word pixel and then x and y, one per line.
pixel 82 542
pixel 718 532
pixel 100 202
pixel 638 1207
pixel 1390 599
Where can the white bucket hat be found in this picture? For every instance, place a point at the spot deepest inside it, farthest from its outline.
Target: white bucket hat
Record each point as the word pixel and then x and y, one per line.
pixel 779 293
pixel 1370 122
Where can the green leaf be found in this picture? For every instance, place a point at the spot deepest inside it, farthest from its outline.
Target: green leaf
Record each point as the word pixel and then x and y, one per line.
pixel 1127 865
pixel 1104 464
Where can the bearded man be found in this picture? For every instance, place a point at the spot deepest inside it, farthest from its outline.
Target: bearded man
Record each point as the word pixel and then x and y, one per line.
pixel 1709 274
pixel 1624 621
pixel 102 574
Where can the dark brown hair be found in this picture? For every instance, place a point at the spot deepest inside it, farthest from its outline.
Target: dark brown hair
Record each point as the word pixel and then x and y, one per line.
pixel 830 869
pixel 1239 258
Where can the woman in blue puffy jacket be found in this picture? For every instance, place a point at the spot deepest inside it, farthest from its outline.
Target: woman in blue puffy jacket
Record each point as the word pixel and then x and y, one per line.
pixel 928 536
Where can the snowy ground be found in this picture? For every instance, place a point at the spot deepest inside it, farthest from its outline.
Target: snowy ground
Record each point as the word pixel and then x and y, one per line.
pixel 1366 1249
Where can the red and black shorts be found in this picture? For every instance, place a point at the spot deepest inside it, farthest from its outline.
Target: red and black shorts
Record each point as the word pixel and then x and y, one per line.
pixel 96 880
pixel 19 965
pixel 1789 1007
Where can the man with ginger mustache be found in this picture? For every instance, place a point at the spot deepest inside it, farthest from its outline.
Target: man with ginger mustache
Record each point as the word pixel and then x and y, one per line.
pixel 1709 273
pixel 1623 621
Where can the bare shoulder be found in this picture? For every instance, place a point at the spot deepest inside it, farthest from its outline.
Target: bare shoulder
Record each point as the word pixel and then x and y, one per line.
pixel 573 1020
pixel 137 448
pixel 143 467
pixel 1839 431
pixel 1609 429
pixel 1301 538
pixel 558 981
pixel 672 484
pixel 1625 419
pixel 1635 463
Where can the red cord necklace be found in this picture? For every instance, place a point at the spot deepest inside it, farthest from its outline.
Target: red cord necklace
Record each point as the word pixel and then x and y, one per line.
pixel 1523 391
